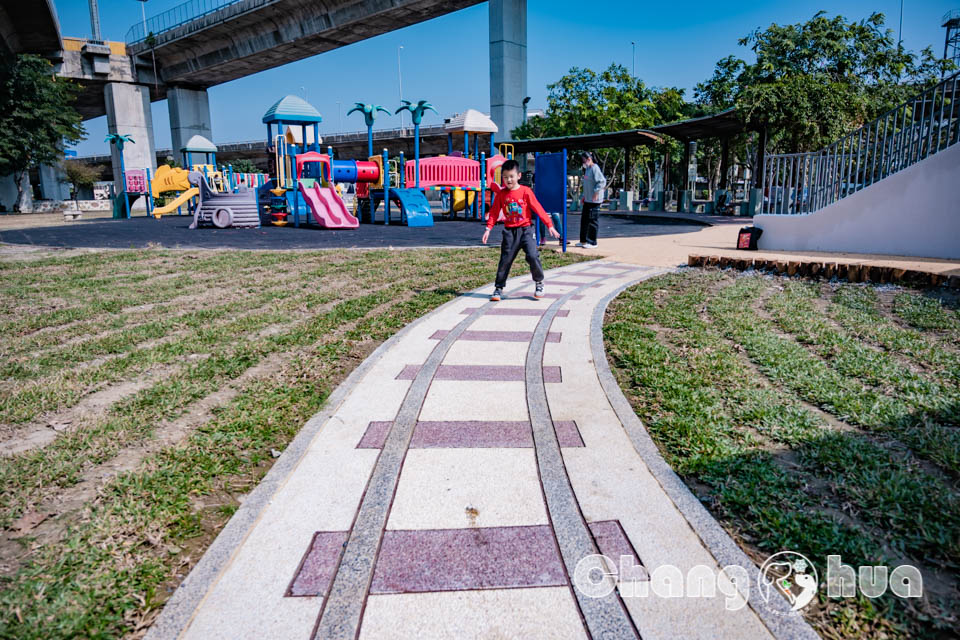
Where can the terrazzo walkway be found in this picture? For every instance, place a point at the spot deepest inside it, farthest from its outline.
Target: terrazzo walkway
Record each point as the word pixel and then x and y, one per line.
pixel 455 482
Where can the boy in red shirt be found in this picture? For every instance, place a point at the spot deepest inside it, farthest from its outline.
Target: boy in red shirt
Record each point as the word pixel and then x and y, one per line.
pixel 516 201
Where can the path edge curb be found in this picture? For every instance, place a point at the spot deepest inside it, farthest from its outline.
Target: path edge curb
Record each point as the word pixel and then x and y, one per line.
pixel 775 615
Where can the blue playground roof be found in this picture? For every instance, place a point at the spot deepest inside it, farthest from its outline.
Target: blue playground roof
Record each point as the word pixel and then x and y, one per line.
pixel 292 110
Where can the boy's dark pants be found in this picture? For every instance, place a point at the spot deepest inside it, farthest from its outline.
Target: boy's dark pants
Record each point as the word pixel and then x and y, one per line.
pixel 514 240
pixel 590 222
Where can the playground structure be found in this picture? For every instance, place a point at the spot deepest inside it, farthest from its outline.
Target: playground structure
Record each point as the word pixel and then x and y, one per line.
pixel 223 209
pixel 303 174
pixel 139 182
pixel 307 182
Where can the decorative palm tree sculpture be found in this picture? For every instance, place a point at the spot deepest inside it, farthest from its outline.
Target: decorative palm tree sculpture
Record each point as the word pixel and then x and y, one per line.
pixel 118 141
pixel 416 114
pixel 369 115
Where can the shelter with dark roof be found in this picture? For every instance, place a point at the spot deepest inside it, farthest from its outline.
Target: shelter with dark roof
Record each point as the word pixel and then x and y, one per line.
pixel 723 125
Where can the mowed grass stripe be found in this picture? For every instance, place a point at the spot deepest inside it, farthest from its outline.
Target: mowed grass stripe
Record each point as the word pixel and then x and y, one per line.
pixel 118 298
pixel 788 363
pixel 794 312
pixel 856 308
pixel 170 294
pixel 164 319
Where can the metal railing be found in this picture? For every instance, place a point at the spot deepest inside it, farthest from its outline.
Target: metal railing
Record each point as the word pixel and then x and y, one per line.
pixel 799 183
pixel 175 17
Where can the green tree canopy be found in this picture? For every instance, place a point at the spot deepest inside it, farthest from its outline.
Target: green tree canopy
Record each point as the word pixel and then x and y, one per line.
pixel 36 116
pixel 585 101
pixel 79 175
pixel 815 81
pixel 244 165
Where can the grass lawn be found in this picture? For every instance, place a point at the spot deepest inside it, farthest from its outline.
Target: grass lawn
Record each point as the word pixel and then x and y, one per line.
pixel 819 418
pixel 144 393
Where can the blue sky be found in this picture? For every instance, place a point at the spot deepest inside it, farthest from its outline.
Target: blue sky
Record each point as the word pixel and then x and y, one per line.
pixel 445 60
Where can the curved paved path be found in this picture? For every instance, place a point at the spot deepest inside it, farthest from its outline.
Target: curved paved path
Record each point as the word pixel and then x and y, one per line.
pixel 459 480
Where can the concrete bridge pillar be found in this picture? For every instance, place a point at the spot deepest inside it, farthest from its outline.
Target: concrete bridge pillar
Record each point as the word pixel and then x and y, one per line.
pixel 508 63
pixel 189 116
pixel 52 184
pixel 128 113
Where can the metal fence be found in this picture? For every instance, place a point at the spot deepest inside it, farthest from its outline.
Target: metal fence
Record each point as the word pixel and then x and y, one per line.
pixel 797 183
pixel 175 17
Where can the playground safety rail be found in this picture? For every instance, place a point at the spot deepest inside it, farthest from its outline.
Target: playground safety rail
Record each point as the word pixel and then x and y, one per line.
pixel 801 183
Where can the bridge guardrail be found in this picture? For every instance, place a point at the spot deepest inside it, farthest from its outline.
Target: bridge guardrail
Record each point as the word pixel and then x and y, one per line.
pixel 177 16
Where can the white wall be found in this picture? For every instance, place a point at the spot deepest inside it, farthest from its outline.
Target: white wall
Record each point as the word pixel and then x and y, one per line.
pixel 915 212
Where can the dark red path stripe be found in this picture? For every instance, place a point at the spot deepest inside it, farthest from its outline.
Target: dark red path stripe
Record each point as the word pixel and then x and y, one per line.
pixel 496 336
pixel 457 559
pixel 481 373
pixel 470 434
pixel 319 564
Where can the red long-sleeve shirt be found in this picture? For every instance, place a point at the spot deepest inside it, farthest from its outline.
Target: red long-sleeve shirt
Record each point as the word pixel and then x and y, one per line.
pixel 516 206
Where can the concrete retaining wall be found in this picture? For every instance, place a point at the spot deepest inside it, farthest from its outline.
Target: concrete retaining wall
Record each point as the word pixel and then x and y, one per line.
pixel 915 212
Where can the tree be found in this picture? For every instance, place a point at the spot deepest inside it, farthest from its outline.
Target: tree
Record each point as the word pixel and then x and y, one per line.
pixel 244 165
pixel 813 82
pixel 36 117
pixel 584 101
pixel 79 175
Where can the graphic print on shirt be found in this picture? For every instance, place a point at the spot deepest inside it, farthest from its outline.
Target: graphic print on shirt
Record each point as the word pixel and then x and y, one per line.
pixel 514 213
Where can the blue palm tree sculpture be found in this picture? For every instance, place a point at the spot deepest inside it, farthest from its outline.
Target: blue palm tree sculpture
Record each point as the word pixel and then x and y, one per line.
pixel 118 141
pixel 416 114
pixel 369 112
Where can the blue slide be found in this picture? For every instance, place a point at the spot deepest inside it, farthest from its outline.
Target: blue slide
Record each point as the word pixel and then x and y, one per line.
pixel 414 207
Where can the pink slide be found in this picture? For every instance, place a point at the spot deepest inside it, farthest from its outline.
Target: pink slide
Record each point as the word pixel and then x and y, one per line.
pixel 327 207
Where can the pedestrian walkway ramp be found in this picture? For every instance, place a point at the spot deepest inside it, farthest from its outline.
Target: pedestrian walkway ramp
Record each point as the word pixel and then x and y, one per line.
pixel 890 187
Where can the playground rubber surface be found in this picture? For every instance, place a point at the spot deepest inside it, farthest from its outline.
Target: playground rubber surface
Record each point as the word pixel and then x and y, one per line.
pixel 456 481
pixel 172 232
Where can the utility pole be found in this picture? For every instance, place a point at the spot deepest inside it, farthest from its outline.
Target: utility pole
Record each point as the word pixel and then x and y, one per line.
pixel 633 59
pixel 400 86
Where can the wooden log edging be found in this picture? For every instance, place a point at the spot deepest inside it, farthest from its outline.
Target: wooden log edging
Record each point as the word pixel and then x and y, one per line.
pixel 826 270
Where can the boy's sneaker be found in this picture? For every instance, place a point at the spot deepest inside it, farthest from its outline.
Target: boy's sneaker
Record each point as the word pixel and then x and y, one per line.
pixel 538 292
pixel 496 295
pixel 590 245
pixel 580 244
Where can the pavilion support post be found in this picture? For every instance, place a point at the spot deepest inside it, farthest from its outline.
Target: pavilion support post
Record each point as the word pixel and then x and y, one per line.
pixel 724 163
pixel 626 194
pixel 666 179
pixel 685 194
pixel 756 193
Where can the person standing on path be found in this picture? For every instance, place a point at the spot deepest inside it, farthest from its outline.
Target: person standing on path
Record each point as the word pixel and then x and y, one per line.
pixel 593 187
pixel 516 201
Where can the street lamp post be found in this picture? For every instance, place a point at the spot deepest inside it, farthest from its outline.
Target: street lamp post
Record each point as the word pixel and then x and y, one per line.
pixel 400 86
pixel 153 52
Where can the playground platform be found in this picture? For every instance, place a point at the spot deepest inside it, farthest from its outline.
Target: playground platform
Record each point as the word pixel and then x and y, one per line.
pixel 460 482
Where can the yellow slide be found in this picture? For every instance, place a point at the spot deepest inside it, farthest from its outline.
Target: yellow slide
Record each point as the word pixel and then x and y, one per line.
pixel 179 201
